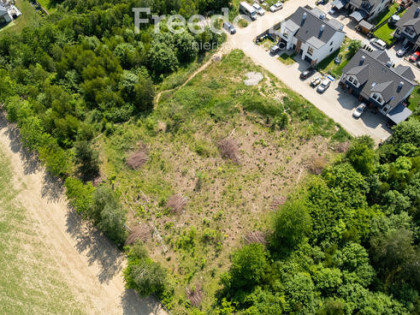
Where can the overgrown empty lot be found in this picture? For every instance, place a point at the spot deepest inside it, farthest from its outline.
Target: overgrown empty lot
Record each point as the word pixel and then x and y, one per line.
pixel 214 158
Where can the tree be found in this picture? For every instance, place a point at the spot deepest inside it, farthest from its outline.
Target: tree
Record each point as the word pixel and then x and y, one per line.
pixel 291 225
pixel 142 274
pixel 361 155
pixel 249 267
pixel 162 59
pixel 354 47
pixel 187 47
pixel 80 195
pixel 87 160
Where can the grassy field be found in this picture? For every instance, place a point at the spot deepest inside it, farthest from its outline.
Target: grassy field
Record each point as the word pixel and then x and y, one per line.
pixel 29 17
pixel 329 66
pixel 225 200
pixel 30 281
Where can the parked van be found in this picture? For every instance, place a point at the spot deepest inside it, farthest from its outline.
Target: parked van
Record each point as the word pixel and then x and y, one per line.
pixel 248 10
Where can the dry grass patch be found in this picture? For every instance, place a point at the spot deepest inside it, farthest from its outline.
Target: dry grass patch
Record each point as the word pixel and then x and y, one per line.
pixel 138 158
pixel 229 150
pixel 317 165
pixel 256 237
pixel 140 232
pixel 176 204
pixel 195 295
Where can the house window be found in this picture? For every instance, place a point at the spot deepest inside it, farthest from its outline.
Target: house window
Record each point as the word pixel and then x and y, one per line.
pixel 331 43
pixel 353 80
pixel 310 51
pixel 377 98
pixel 409 31
pixel 386 109
pixel 331 50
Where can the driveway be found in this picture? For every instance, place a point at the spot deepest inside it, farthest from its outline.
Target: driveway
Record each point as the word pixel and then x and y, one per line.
pixel 335 103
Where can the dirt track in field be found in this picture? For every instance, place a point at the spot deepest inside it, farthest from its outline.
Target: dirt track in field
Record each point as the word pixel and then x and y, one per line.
pixel 91 265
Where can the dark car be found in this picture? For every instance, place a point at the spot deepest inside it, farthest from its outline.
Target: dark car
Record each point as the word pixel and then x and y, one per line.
pixel 307 73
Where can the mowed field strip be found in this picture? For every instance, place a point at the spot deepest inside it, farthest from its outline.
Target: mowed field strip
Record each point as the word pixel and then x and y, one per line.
pixel 52 262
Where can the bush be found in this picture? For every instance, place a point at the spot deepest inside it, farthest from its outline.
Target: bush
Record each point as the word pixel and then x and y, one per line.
pixel 80 195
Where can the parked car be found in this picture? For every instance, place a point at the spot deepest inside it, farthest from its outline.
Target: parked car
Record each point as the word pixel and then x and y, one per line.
pixel 337 60
pixel 359 110
pixel 307 73
pixel 402 51
pixel 276 6
pixel 260 11
pixel 229 27
pixel 415 56
pixel 323 86
pixel 418 63
pixel 378 43
pixel 275 49
pixel 315 81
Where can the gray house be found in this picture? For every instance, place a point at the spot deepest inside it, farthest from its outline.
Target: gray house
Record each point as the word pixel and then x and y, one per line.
pixel 408 27
pixel 369 76
pixel 362 9
pixel 4 15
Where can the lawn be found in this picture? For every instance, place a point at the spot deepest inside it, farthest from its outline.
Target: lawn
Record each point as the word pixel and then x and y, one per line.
pixel 414 100
pixel 31 282
pixel 287 59
pixel 225 201
pixel 385 31
pixel 28 18
pixel 329 66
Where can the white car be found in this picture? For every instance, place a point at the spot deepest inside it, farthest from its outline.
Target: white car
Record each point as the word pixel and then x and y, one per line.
pixel 323 86
pixel 378 43
pixel 359 110
pixel 276 6
pixel 257 7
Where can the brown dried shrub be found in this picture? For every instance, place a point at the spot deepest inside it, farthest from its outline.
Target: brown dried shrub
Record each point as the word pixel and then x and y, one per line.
pixel 140 232
pixel 138 159
pixel 229 149
pixel 317 165
pixel 195 295
pixel 176 203
pixel 255 237
pixel 277 202
pixel 342 146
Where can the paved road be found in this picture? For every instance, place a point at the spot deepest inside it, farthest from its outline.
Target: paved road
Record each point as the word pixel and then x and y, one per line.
pixel 334 103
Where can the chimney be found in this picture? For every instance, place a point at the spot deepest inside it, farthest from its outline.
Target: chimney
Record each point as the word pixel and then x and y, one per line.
pixel 362 60
pixel 321 30
pixel 303 19
pixel 322 16
pixel 416 13
pixel 400 86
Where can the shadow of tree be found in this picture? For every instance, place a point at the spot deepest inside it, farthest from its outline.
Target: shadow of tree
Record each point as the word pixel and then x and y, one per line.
pixel 132 304
pixel 95 246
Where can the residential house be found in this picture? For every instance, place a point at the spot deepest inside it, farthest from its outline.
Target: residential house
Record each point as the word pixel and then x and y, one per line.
pixel 5 16
pixel 370 76
pixel 408 27
pixel 362 9
pixel 311 34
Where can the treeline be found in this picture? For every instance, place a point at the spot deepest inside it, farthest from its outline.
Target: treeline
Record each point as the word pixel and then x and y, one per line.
pixel 83 70
pixel 348 243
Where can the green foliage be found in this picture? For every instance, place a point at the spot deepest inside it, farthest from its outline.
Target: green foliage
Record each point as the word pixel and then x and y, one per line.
pixel 108 214
pixel 80 195
pixel 354 47
pixel 292 225
pixel 142 274
pixel 87 160
pixel 361 155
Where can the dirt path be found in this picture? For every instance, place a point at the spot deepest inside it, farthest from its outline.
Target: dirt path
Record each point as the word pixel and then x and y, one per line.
pixel 91 265
pixel 223 50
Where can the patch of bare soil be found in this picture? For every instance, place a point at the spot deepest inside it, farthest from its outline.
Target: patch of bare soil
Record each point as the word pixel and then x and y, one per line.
pixel 91 265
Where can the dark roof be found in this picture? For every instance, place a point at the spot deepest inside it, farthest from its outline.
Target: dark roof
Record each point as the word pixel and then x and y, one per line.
pixel 310 28
pixel 409 19
pixel 367 5
pixel 399 114
pixel 375 76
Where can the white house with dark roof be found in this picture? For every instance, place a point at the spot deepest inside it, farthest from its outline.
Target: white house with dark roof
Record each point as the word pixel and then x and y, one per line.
pixel 311 34
pixel 369 76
